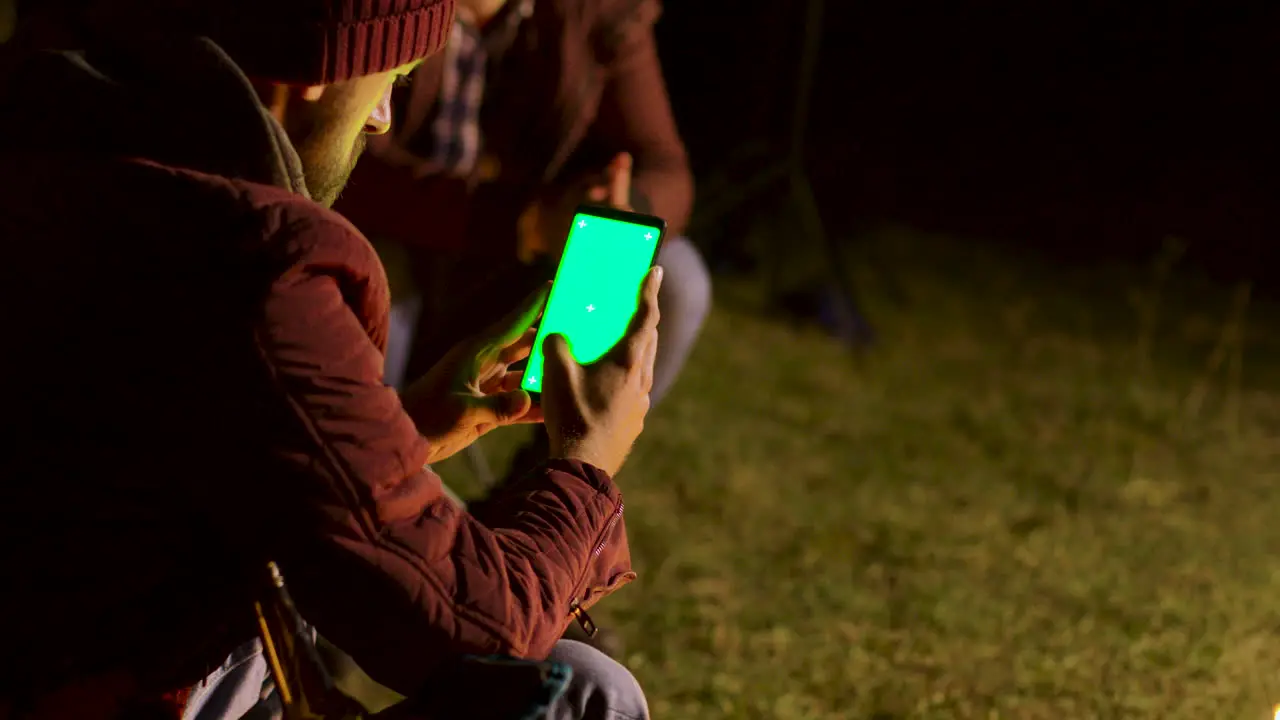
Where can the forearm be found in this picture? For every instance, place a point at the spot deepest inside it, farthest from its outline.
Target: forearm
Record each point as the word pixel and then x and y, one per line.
pixel 444 584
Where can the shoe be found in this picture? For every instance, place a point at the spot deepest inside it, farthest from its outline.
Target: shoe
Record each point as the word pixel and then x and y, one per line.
pixel 830 308
pixel 841 317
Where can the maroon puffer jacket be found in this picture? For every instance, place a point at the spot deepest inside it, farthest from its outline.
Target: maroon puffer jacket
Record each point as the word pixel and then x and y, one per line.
pixel 192 357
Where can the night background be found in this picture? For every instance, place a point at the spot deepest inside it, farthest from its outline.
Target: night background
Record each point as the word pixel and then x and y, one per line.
pixel 1090 127
pixel 1048 487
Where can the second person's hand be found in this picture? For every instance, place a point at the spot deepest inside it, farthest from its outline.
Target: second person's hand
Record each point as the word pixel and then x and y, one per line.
pixel 544 225
pixel 616 189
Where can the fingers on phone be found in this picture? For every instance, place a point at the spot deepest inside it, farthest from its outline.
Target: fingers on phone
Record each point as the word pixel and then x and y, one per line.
pixel 647 311
pixel 513 327
pixel 633 348
pixel 519 349
pixel 649 299
pixel 654 281
pixel 644 326
pixel 650 357
pixel 512 381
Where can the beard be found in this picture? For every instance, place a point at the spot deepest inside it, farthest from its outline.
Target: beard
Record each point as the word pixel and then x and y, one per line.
pixel 327 169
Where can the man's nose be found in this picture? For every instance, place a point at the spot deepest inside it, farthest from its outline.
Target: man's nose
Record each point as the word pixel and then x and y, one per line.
pixel 379 121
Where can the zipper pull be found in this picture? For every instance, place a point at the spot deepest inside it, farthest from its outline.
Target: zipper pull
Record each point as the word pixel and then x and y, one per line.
pixel 588 625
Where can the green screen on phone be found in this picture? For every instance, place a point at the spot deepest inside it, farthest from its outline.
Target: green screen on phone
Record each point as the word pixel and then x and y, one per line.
pixel 597 288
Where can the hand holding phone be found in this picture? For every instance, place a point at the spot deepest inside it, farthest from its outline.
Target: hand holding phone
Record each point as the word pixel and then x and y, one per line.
pixel 597 308
pixel 597 285
pixel 594 413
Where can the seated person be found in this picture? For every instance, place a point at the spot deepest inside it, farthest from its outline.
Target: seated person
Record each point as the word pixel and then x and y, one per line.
pixel 217 335
pixel 532 108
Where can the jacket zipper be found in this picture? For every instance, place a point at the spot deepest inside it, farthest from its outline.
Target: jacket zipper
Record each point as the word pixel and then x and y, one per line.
pixel 604 537
pixel 588 625
pixel 576 611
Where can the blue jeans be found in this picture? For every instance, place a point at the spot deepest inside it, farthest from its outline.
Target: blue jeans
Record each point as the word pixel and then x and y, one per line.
pixel 600 689
pixel 684 301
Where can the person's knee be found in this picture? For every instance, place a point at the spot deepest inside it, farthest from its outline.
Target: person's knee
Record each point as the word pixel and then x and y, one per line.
pixel 401 331
pixel 686 285
pixel 601 688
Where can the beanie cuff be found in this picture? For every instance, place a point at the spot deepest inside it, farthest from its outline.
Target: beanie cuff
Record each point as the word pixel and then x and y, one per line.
pixel 340 48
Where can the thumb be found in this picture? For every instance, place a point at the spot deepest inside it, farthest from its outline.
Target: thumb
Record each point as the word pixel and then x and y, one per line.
pixel 558 361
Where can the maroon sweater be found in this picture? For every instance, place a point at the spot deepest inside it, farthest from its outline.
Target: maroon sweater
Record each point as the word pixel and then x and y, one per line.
pixel 193 353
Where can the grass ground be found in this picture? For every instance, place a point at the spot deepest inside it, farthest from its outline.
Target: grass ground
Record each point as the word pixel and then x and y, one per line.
pixel 1033 500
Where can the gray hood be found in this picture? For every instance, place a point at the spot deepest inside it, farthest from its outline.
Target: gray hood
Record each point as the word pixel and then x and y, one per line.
pixel 176 101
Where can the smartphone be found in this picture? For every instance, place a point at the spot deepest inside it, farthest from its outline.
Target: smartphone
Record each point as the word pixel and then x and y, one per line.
pixel 596 290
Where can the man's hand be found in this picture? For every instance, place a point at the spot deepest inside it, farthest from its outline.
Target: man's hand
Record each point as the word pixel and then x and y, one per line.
pixel 472 389
pixel 594 413
pixel 544 226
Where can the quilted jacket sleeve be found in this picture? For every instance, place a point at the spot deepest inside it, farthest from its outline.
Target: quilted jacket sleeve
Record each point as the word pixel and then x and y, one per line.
pixel 377 556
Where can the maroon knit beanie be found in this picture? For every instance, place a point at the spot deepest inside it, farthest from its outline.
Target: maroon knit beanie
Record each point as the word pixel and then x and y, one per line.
pixel 303 42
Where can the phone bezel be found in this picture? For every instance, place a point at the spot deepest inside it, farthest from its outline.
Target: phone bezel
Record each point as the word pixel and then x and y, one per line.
pixel 608 213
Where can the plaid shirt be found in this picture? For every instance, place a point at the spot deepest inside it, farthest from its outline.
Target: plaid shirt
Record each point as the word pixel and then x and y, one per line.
pixel 454 142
